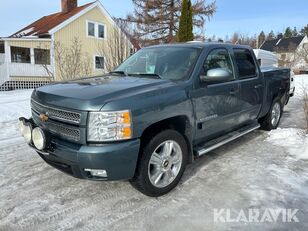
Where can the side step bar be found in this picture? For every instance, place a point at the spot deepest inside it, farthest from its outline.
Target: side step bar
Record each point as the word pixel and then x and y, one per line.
pixel 213 144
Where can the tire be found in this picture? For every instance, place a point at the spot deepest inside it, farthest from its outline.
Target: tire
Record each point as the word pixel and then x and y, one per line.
pixel 272 119
pixel 157 174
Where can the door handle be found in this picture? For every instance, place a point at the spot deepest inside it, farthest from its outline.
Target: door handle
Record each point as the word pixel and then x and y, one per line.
pixel 258 86
pixel 233 92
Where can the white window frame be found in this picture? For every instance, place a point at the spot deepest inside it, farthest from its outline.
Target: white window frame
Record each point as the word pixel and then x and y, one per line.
pixel 94 61
pixel 96 27
pixel 87 26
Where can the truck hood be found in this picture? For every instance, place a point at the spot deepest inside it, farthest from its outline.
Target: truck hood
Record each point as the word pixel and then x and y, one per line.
pixel 91 94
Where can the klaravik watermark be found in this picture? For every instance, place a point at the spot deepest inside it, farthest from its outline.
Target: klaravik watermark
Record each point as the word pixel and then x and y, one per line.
pixel 256 215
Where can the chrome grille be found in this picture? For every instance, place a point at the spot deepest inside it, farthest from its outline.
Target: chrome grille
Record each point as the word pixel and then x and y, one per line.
pixel 58 129
pixel 55 113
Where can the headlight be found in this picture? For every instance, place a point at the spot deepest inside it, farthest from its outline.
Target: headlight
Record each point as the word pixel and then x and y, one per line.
pixel 38 138
pixel 109 126
pixel 26 130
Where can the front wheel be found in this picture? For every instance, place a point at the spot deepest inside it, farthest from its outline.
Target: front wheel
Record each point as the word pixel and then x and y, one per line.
pixel 162 164
pixel 272 119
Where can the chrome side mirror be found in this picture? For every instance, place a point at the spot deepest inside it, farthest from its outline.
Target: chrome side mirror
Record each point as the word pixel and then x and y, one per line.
pixel 217 75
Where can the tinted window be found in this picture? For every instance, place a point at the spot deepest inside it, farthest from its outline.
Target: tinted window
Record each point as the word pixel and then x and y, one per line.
pixel 245 63
pixel 218 58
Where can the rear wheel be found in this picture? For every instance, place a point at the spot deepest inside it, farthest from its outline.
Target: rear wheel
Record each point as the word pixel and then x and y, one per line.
pixel 163 161
pixel 272 119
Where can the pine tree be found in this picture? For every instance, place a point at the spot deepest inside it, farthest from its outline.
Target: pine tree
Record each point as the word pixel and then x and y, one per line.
pixel 190 35
pixel 271 35
pixel 288 33
pixel 304 31
pixel 186 28
pixel 294 32
pixel 157 21
pixel 261 38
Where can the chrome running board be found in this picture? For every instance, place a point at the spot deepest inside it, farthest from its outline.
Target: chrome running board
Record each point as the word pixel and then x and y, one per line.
pixel 216 143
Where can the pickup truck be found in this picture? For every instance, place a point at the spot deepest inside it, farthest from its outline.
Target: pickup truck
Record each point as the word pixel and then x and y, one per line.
pixel 160 110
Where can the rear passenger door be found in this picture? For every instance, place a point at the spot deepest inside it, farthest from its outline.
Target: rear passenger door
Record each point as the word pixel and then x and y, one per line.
pixel 251 84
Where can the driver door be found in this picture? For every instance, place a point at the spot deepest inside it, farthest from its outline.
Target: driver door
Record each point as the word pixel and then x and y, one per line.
pixel 217 105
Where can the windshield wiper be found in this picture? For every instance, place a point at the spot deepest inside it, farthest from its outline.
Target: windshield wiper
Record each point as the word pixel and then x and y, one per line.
pixel 118 73
pixel 156 76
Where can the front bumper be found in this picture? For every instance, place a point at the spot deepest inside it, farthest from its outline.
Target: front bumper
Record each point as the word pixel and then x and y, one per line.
pixel 119 159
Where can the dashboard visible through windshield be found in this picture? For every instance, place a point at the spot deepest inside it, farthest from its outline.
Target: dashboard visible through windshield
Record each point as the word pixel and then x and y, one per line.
pixel 172 63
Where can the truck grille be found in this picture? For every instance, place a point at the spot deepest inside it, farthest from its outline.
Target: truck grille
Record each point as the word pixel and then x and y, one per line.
pixel 55 113
pixel 61 123
pixel 65 132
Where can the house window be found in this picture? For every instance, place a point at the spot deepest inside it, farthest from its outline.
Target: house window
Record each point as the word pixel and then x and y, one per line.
pixel 2 50
pixel 97 30
pixel 20 55
pixel 99 62
pixel 42 56
pixel 101 31
pixel 91 29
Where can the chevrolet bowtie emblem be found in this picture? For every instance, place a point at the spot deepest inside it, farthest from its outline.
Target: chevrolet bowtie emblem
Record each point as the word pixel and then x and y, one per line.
pixel 44 117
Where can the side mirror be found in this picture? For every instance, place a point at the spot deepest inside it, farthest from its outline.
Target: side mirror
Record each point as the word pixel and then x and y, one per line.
pixel 217 75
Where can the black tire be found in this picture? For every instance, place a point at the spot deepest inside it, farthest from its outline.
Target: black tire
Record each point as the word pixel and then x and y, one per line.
pixel 141 180
pixel 267 122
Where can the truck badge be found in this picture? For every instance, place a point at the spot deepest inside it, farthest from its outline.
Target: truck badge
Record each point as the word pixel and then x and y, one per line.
pixel 44 117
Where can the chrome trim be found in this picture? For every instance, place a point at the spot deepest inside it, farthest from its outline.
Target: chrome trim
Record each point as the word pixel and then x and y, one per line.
pixel 59 129
pixel 77 121
pixel 206 150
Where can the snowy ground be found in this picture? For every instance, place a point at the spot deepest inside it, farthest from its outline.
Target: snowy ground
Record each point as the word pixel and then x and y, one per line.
pixel 261 170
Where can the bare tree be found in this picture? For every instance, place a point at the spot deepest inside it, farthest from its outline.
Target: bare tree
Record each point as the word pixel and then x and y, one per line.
pixel 303 53
pixel 158 21
pixel 70 62
pixel 117 48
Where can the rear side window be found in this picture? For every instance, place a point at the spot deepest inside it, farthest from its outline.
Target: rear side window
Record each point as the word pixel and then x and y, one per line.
pixel 245 63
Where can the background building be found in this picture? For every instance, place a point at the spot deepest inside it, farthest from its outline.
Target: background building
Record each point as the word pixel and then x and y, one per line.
pixel 78 41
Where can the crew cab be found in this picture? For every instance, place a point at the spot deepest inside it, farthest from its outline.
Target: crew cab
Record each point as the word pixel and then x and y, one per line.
pixel 160 110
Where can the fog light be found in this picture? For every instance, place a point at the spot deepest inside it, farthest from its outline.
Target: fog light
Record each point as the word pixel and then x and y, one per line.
pixel 97 172
pixel 25 130
pixel 38 138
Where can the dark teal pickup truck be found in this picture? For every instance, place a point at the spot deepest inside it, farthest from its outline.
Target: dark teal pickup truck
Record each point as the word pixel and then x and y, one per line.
pixel 161 109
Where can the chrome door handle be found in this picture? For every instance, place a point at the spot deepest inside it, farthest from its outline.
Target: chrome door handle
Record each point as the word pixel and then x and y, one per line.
pixel 233 92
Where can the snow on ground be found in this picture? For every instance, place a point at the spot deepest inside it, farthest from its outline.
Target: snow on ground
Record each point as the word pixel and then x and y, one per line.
pixel 14 105
pixel 294 140
pixel 260 170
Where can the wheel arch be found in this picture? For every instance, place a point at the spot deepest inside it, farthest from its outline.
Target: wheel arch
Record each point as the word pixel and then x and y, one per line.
pixel 180 123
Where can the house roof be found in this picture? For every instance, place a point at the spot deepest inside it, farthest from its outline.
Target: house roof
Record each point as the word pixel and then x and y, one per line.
pixel 46 23
pixel 283 44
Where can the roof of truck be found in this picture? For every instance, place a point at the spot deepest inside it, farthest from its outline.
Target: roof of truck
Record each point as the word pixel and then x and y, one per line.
pixel 202 45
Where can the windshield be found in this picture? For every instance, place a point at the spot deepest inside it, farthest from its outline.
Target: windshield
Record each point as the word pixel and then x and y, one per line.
pixel 172 63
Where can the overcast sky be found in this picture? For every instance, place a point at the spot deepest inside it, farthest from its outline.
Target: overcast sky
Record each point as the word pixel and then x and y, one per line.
pixel 245 16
